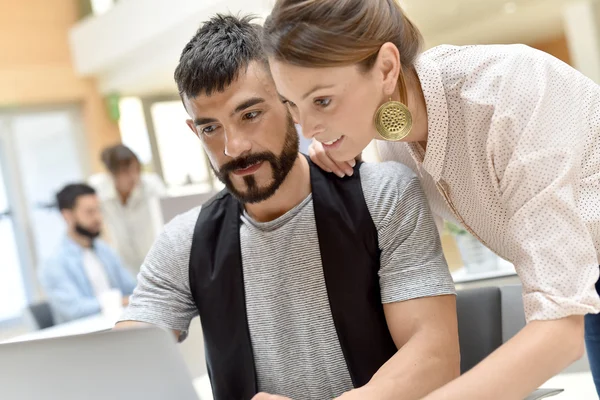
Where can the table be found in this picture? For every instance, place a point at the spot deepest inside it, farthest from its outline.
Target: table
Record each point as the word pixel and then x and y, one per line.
pixel 203 388
pixel 577 386
pixel 95 323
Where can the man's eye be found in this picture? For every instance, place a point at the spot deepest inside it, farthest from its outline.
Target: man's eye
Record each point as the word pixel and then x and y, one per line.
pixel 323 102
pixel 207 130
pixel 251 115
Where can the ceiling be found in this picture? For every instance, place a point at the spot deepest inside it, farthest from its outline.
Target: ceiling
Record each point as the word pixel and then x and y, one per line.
pixel 486 21
pixel 148 69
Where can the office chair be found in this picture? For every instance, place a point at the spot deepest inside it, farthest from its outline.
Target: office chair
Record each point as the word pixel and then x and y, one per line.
pixel 42 315
pixel 488 317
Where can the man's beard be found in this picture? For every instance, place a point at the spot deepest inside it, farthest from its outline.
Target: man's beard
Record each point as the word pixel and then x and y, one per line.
pixel 86 232
pixel 280 165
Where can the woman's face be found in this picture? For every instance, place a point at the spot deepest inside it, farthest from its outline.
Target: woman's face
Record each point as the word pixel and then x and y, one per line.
pixel 334 105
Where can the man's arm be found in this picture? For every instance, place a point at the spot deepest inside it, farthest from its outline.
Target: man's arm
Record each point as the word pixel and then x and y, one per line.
pixel 127 281
pixel 425 331
pixel 64 295
pixel 417 291
pixel 163 297
pixel 137 324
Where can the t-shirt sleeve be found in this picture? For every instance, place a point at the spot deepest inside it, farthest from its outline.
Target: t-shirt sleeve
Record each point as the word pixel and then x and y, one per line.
pixel 163 296
pixel 412 261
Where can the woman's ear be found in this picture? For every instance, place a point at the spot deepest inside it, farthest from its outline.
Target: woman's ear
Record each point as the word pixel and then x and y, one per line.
pixel 388 67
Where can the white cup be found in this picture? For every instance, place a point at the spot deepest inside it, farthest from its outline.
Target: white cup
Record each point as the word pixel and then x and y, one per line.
pixel 111 303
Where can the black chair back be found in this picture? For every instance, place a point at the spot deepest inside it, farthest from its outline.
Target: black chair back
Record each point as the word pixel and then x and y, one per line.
pixel 42 314
pixel 479 324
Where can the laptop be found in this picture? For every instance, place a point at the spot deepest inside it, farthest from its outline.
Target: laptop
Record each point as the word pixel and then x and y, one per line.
pixel 140 363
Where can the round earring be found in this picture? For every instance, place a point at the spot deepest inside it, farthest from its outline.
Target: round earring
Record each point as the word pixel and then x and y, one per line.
pixel 393 120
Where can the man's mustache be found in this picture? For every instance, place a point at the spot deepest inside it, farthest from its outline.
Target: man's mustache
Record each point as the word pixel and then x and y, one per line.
pixel 246 161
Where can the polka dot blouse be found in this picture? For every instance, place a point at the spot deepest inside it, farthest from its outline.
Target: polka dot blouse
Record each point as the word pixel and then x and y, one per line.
pixel 514 156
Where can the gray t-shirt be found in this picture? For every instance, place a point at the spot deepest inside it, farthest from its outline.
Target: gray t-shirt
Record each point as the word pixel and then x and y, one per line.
pixel 296 350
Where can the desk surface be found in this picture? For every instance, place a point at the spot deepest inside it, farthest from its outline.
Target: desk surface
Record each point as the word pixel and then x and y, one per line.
pixel 577 386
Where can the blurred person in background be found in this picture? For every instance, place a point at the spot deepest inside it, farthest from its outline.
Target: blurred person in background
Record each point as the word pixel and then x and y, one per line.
pixel 504 138
pixel 83 267
pixel 130 204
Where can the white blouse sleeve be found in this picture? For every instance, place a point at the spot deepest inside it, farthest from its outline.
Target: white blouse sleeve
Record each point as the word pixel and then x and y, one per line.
pixel 542 110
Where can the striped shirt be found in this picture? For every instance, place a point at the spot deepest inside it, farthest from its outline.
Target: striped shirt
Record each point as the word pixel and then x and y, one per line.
pixel 296 350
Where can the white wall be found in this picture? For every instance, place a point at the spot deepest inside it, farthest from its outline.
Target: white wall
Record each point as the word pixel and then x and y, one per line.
pixel 582 27
pixel 134 47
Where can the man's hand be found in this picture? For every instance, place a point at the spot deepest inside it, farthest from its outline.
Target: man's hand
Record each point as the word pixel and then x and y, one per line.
pixel 267 396
pixel 125 301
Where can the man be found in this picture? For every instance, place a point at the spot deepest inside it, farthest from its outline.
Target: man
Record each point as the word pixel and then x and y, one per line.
pixel 308 286
pixel 129 200
pixel 83 267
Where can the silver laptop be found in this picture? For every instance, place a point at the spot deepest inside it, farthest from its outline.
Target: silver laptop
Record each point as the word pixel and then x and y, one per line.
pixel 128 364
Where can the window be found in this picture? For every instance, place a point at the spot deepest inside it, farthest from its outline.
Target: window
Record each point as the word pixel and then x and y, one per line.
pixel 12 291
pixel 184 163
pixel 134 133
pixel 38 155
pixel 100 7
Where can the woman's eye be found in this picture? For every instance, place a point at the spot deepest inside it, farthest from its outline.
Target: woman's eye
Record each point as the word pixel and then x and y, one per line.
pixel 322 102
pixel 251 115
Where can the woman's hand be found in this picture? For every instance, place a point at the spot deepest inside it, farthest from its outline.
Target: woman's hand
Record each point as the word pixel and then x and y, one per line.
pixel 319 156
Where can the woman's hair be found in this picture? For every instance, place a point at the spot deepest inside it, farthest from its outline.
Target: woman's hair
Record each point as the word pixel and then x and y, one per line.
pixel 332 33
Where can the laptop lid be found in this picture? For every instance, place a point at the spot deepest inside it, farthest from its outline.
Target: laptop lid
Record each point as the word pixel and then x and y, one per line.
pixel 141 363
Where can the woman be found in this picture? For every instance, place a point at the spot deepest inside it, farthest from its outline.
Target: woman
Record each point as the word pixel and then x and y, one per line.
pixel 505 140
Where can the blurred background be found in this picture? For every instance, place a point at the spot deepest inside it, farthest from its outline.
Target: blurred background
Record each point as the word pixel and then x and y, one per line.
pixel 77 76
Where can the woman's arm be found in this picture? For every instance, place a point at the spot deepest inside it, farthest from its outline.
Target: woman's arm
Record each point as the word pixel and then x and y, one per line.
pixel 541 350
pixel 537 141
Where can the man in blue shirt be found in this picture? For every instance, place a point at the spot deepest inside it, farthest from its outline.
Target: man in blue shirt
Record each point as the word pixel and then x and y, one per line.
pixel 83 267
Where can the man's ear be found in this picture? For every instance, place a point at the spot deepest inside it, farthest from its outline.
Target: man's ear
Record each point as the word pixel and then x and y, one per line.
pixel 67 215
pixel 192 126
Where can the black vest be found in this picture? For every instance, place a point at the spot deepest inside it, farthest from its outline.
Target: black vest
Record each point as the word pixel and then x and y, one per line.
pixel 350 257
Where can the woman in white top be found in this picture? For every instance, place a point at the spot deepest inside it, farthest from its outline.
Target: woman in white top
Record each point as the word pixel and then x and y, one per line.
pixel 130 205
pixel 505 140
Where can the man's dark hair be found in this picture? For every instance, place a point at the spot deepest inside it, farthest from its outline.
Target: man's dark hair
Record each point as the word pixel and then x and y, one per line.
pixel 117 157
pixel 68 196
pixel 219 50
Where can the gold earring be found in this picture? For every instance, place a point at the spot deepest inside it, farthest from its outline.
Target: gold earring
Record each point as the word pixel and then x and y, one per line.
pixel 393 120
